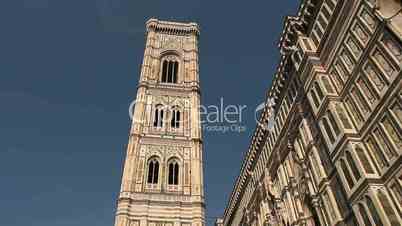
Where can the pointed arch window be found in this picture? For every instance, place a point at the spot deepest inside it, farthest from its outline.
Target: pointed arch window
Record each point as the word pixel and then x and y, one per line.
pixel 170 70
pixel 173 177
pixel 158 116
pixel 176 117
pixel 153 171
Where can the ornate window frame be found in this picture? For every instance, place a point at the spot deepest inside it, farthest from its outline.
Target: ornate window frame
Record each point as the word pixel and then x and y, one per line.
pixel 159 115
pixel 174 187
pixel 171 56
pixel 153 186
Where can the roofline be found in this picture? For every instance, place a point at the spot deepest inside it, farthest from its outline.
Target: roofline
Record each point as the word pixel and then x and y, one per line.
pixel 292 24
pixel 172 27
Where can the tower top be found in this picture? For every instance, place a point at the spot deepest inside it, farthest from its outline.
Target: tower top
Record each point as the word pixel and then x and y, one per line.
pixel 173 28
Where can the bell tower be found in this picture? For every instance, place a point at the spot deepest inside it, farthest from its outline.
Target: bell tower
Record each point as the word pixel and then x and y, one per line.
pixel 162 182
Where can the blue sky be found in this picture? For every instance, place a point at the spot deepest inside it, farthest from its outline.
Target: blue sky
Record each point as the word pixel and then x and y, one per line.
pixel 68 71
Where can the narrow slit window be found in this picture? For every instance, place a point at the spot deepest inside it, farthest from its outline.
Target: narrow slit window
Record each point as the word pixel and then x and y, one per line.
pixel 164 71
pixel 170 73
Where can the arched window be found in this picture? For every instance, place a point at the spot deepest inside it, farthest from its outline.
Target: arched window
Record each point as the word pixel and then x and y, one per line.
pixel 170 70
pixel 158 116
pixel 175 120
pixel 363 214
pixel 153 171
pixel 173 177
pixel 387 207
pixel 352 165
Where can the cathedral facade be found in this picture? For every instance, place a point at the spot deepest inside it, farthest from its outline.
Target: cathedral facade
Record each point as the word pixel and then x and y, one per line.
pixel 162 182
pixel 333 156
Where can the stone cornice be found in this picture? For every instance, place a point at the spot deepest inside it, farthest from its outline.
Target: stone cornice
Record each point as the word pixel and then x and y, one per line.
pixel 174 28
pixel 157 197
pixel 297 24
pixel 185 87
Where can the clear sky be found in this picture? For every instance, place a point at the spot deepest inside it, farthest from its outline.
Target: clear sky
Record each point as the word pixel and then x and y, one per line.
pixel 68 71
